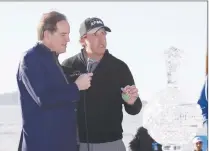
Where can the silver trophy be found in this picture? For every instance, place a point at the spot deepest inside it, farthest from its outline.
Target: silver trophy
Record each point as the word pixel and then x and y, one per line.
pixel 169 120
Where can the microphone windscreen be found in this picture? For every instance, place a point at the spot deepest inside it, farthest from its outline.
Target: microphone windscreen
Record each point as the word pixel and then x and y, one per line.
pixel 91 65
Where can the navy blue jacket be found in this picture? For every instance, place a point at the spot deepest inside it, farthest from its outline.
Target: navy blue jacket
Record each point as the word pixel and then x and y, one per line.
pixel 47 103
pixel 203 100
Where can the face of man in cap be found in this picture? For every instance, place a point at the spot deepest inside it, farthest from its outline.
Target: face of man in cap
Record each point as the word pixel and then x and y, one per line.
pixel 93 37
pixel 95 41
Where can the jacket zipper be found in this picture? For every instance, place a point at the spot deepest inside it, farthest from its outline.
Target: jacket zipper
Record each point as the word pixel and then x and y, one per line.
pixel 58 65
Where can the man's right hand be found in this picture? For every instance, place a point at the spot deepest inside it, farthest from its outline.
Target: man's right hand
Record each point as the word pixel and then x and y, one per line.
pixel 84 81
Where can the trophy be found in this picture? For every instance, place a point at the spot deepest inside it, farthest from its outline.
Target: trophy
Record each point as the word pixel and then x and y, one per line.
pixel 169 120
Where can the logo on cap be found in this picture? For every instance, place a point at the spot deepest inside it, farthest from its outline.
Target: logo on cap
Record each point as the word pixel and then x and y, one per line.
pixel 98 22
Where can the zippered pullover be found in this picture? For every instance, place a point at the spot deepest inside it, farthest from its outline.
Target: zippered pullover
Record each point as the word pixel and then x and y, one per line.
pixel 47 103
pixel 103 99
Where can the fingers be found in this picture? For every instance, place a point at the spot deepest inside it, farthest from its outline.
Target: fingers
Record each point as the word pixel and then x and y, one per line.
pixel 132 91
pixel 89 78
pixel 90 74
pixel 88 85
pixel 135 95
pixel 126 89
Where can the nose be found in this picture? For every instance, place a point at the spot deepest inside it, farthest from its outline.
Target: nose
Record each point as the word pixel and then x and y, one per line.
pixel 102 36
pixel 67 38
pixel 103 39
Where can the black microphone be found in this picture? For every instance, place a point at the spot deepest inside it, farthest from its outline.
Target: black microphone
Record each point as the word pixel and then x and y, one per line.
pixel 90 67
pixel 88 70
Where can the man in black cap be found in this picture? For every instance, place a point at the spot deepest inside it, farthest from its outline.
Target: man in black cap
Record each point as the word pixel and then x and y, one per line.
pixel 99 110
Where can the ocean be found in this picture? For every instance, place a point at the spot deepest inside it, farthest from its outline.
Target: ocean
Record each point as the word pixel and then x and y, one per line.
pixel 10 127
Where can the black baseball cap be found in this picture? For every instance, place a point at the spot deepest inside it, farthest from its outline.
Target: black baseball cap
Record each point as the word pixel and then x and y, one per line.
pixel 92 25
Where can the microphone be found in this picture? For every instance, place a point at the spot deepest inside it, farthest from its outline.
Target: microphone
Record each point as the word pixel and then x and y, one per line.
pixel 91 65
pixel 88 70
pixel 88 66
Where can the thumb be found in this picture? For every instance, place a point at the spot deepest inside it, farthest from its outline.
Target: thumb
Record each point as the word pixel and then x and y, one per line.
pixel 122 89
pixel 90 74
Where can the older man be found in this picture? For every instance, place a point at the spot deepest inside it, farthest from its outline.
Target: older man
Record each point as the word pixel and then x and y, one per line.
pixel 100 107
pixel 47 98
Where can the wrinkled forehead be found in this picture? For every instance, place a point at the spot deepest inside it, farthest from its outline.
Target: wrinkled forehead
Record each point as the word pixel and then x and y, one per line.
pixel 63 27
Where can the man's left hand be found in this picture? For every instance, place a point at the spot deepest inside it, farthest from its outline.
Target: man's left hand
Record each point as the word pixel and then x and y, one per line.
pixel 132 93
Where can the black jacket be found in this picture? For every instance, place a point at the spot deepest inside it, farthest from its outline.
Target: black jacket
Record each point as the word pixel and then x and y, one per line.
pixel 103 98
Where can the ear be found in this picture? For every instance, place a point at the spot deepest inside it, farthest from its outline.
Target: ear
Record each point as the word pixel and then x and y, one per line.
pixel 47 34
pixel 82 41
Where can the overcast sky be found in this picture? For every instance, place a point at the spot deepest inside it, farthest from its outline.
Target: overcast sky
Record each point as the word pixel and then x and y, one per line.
pixel 141 31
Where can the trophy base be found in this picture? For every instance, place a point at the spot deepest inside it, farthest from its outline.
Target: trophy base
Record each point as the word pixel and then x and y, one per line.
pixel 172 147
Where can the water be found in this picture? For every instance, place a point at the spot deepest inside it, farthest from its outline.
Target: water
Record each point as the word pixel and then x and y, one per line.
pixel 10 127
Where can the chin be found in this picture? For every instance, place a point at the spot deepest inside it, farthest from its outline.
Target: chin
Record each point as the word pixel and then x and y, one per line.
pixel 101 51
pixel 62 51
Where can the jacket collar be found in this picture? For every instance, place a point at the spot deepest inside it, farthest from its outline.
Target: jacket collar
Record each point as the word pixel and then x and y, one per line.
pixel 46 49
pixel 43 47
pixel 83 56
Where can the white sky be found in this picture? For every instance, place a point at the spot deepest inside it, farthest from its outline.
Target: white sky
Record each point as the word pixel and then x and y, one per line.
pixel 141 31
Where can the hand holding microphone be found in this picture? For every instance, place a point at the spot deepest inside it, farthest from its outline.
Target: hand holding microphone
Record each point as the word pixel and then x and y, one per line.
pixel 84 81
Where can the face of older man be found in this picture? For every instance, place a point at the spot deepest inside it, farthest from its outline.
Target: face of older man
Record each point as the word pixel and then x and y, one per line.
pixel 58 40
